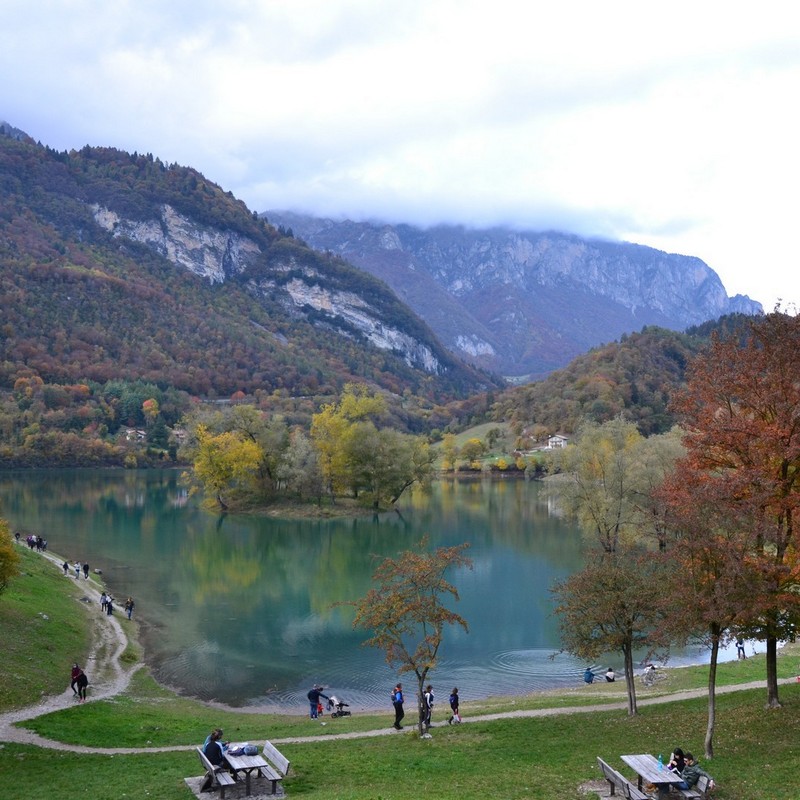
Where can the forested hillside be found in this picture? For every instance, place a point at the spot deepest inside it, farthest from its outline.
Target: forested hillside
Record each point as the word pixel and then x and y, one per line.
pixel 96 321
pixel 635 376
pixel 81 303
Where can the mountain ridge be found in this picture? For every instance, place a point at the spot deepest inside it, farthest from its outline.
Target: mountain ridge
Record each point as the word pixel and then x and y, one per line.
pixel 524 303
pixel 114 264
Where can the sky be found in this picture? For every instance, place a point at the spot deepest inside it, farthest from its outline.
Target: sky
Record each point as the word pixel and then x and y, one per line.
pixel 671 125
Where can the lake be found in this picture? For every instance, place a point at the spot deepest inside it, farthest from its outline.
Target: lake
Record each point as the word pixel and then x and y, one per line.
pixel 242 610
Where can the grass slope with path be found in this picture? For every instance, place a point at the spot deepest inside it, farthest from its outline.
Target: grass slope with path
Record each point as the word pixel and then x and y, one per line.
pixel 135 738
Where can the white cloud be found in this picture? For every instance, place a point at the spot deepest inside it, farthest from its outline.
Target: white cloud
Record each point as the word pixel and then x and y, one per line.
pixel 671 126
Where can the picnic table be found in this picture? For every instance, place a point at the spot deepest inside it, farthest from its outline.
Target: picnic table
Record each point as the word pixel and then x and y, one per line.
pixel 245 765
pixel 649 769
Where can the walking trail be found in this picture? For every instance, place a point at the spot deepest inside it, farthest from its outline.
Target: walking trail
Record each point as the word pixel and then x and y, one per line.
pixel 109 678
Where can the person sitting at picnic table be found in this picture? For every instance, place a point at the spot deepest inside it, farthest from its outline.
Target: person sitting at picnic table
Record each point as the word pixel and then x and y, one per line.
pixel 214 748
pixel 588 675
pixel 610 677
pixel 692 772
pixel 677 761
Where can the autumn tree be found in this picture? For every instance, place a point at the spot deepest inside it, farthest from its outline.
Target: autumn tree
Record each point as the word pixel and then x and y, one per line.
pixel 9 557
pixel 741 412
pixel 606 478
pixel 226 464
pixel 331 426
pixel 406 611
pixel 608 607
pixel 450 452
pixel 708 592
pixel 606 483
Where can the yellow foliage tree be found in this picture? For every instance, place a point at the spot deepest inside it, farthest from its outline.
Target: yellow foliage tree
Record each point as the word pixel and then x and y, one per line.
pixel 226 463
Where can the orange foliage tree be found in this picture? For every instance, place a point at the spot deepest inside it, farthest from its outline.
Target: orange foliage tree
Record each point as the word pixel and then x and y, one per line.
pixel 741 414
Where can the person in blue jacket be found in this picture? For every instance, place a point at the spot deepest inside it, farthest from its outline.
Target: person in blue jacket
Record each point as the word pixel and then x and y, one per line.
pixel 397 702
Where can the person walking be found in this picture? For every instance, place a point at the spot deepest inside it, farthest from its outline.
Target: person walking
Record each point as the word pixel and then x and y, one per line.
pixel 75 674
pixel 740 648
pixel 77 571
pixel 65 567
pixel 129 606
pixel 397 702
pixel 86 571
pixel 453 699
pixel 109 605
pixel 82 682
pixel 428 706
pixel 314 694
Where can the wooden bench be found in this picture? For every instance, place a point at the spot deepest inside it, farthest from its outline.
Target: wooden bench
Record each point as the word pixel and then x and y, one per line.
pixel 619 781
pixel 278 767
pixel 698 792
pixel 215 777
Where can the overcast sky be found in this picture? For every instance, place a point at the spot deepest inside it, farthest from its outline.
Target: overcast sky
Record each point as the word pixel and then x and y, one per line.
pixel 673 125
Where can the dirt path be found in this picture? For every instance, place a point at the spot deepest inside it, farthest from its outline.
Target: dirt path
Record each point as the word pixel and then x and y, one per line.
pixel 110 678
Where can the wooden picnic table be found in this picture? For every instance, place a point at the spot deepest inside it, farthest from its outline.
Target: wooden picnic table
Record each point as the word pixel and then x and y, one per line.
pixel 246 765
pixel 648 769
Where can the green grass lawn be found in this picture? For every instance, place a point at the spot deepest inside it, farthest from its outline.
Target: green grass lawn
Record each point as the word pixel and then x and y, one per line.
pixel 547 757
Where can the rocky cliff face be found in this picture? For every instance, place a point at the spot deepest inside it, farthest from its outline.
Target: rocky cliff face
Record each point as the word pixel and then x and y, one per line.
pixel 524 303
pixel 218 255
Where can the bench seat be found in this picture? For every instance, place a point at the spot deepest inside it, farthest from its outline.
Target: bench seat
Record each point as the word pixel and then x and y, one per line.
pixel 278 767
pixel 219 776
pixel 618 781
pixel 697 792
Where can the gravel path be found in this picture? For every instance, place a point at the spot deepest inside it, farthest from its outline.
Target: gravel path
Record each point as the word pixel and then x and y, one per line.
pixel 110 678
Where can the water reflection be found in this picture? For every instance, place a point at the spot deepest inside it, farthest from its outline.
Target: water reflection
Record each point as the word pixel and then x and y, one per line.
pixel 242 609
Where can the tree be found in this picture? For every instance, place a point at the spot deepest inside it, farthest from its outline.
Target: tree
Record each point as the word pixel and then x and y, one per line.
pixel 607 480
pixel 449 452
pixel 714 576
pixel 741 413
pixel 406 613
pixel 608 607
pixel 9 557
pixel 226 463
pixel 331 427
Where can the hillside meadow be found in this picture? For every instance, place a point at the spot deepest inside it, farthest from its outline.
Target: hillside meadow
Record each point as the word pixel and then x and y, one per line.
pixel 540 757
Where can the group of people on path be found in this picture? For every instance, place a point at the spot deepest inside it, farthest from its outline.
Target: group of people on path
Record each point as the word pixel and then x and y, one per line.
pixel 107 605
pixel 34 541
pixel 427 709
pixel 78 569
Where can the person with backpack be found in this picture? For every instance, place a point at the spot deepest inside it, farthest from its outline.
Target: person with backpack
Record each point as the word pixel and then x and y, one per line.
pixel 397 702
pixel 455 716
pixel 314 694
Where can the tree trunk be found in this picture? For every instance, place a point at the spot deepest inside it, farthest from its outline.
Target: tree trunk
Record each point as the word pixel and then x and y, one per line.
pixel 630 682
pixel 772 673
pixel 421 701
pixel 712 696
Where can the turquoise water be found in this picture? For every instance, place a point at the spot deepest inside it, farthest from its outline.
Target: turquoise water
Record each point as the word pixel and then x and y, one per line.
pixel 242 610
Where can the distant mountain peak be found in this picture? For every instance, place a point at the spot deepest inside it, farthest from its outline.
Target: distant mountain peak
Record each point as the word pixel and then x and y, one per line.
pixel 523 303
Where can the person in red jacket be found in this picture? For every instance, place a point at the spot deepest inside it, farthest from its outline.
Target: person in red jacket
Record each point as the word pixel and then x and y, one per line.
pixel 76 672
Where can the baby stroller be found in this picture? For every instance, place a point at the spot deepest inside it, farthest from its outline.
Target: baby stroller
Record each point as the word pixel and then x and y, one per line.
pixel 337 707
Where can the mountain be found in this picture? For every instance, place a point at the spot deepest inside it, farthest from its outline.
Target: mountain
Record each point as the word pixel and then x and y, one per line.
pixel 116 265
pixel 521 303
